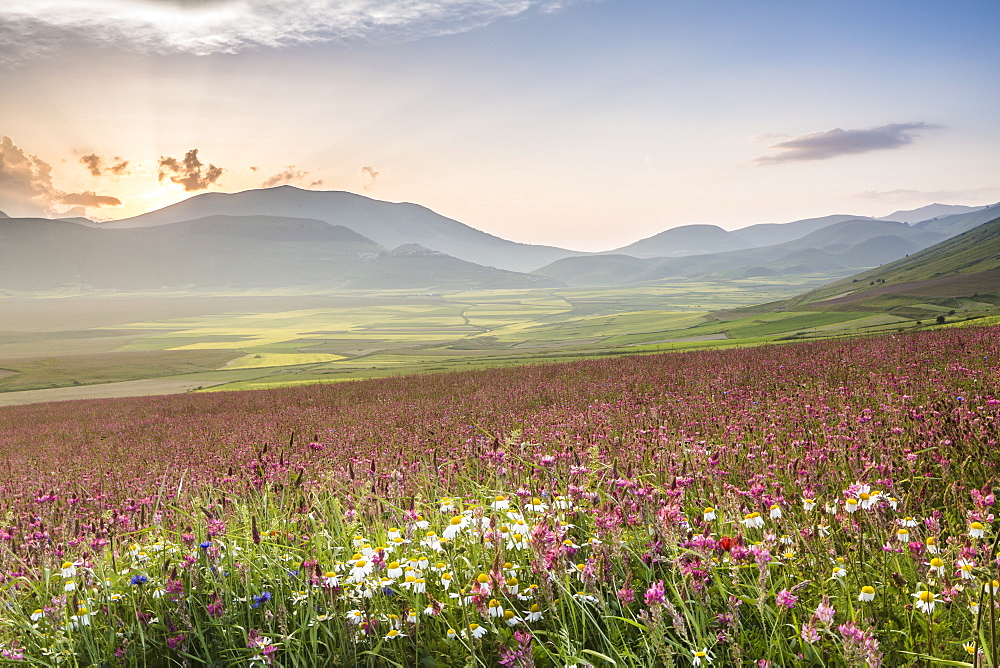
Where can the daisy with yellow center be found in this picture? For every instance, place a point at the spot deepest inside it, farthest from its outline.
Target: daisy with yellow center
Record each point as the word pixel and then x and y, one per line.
pixel 534 613
pixel 495 609
pixel 456 524
pixel 699 655
pixel 475 630
pixel 536 505
pixel 925 601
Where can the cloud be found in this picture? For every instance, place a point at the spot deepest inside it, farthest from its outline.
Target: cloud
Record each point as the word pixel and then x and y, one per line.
pixel 88 198
pixel 836 142
pixel 120 168
pixel 188 172
pixel 369 176
pixel 31 29
pixel 288 176
pixel 95 165
pixel 25 182
pixel 26 188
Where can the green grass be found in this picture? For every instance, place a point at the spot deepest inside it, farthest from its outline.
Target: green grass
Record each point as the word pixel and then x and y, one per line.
pixel 274 340
pixel 90 369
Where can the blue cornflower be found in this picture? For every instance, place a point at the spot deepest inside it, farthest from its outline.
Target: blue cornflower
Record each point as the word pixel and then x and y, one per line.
pixel 205 545
pixel 293 574
pixel 264 597
pixel 139 579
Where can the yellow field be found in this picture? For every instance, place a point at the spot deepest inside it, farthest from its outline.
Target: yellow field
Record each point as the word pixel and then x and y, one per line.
pixel 264 360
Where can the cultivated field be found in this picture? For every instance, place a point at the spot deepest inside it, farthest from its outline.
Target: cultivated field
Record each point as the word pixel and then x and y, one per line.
pixel 819 503
pixel 85 345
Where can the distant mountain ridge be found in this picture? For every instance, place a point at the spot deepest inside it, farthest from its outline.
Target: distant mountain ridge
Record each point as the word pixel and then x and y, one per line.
pixel 928 212
pixel 226 253
pixel 294 233
pixel 843 247
pixel 394 224
pixel 388 224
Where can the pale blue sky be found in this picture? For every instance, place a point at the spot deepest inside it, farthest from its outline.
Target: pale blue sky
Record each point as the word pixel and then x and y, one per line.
pixel 583 124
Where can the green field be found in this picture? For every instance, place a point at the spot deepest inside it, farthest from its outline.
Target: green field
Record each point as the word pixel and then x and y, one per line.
pixel 223 342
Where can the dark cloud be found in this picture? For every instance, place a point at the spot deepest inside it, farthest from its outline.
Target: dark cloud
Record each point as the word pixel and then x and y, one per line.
pixel 189 172
pixel 368 175
pixel 87 199
pixel 836 142
pixel 316 184
pixel 290 175
pixel 95 164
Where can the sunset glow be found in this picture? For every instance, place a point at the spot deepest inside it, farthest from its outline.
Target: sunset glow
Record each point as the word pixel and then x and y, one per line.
pixel 587 124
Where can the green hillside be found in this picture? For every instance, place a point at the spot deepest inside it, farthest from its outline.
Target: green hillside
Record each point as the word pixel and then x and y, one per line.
pixel 965 266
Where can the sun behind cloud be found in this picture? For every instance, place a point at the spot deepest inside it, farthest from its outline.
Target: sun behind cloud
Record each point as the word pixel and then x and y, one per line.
pixel 226 26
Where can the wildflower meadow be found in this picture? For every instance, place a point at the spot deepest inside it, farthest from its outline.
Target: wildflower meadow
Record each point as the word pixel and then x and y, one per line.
pixel 828 503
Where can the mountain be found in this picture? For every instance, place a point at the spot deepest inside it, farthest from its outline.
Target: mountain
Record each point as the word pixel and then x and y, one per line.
pixel 225 252
pixel 706 239
pixel 857 230
pixel 964 266
pixel 962 222
pixel 3 215
pixel 842 247
pixel 683 240
pixel 930 211
pixel 769 234
pixel 386 223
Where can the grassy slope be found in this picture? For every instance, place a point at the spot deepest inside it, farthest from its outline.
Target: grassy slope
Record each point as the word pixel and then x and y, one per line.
pixel 961 266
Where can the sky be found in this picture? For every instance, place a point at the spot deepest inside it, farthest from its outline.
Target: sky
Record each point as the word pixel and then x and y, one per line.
pixel 585 124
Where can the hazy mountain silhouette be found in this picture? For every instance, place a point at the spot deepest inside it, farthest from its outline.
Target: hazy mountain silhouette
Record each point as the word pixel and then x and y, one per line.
pixel 844 246
pixel 684 240
pixel 769 234
pixel 704 239
pixel 388 224
pixel 962 222
pixel 224 252
pixel 912 216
